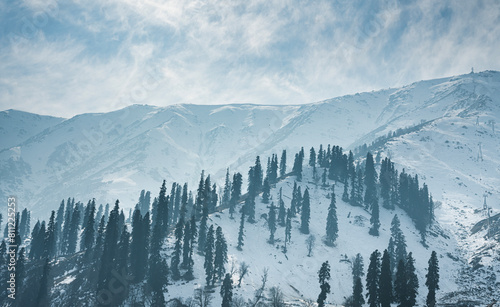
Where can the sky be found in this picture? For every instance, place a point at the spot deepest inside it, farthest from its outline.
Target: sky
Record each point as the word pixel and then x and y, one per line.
pixel 69 57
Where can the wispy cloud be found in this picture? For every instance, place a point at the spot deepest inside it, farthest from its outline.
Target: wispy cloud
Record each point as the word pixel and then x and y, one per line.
pixel 65 58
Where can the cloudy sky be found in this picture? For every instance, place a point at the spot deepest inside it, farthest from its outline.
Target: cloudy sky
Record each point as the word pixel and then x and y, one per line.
pixel 69 57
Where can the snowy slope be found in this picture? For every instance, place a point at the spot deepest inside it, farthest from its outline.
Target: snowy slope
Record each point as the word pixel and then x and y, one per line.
pixel 115 155
pixel 296 273
pixel 17 127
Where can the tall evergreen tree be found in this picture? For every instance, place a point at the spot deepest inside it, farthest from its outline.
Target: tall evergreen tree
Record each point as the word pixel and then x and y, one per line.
pixel 122 263
pixel 271 222
pixel 312 157
pixel 50 237
pixel 220 257
pixel 385 287
pixel 372 279
pixel 59 223
pixel 293 205
pixel 281 209
pixel 357 268
pixel 345 195
pixel 258 175
pixel 306 213
pixel 288 226
pixel 73 231
pixel 399 240
pixel 432 280
pixel 109 248
pixel 66 226
pixel 226 195
pixel 283 163
pixel 203 230
pixel 357 293
pixel 209 256
pixel 412 280
pixel 332 227
pixel 400 285
pixel 187 252
pixel 235 192
pixel 176 257
pixel 20 271
pixel 375 218
pixel 266 191
pixel 158 269
pixel 241 233
pixel 88 235
pixel 226 291
pixel 324 277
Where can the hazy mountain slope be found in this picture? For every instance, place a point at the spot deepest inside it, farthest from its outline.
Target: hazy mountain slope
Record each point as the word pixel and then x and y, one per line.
pixel 17 126
pixel 115 155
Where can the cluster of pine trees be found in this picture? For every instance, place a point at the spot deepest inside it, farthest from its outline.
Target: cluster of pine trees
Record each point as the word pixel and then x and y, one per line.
pixel 100 242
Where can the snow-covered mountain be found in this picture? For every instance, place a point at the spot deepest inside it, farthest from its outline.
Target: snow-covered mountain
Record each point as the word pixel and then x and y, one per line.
pixel 452 145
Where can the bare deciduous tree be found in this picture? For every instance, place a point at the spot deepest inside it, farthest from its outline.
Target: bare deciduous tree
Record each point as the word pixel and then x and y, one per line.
pixel 243 270
pixel 276 297
pixel 310 244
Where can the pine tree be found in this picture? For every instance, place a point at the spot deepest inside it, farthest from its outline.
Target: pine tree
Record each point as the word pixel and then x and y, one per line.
pixel 258 175
pixel 312 157
pixel 288 226
pixel 357 293
pixel 226 291
pixel 271 222
pixel 88 235
pixel 43 298
pixel 176 257
pixel 357 268
pixel 220 258
pixel 392 254
pixel 203 230
pixel 293 205
pixel 73 231
pixel 400 285
pixel 226 195
pixel 323 177
pixel 372 279
pixel 324 277
pixel 161 218
pixel 241 233
pixel 281 210
pixel 235 192
pixel 306 212
pixel 432 280
pixel 187 252
pixel 250 209
pixel 109 248
pixel 50 238
pixel 59 223
pixel 122 262
pixel 158 269
pixel 399 239
pixel 66 226
pixel 266 191
pixel 345 195
pixel 283 163
pixel 385 288
pixel 332 227
pixel 209 256
pixel 412 280
pixel 370 180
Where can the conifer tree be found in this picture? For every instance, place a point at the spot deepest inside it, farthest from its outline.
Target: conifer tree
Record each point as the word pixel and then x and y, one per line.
pixel 288 226
pixel 432 280
pixel 137 246
pixel 271 222
pixel 37 241
pixel 283 163
pixel 297 166
pixel 59 223
pixel 399 240
pixel 281 209
pixel 370 180
pixel 122 263
pixel 203 230
pixel 372 279
pixel 323 177
pixel 266 191
pixel 187 252
pixel 200 195
pixel 345 195
pixel 209 256
pixel 220 258
pixel 176 257
pixel 385 288
pixel 412 280
pixel 88 235
pixel 241 233
pixel 66 226
pixel 306 212
pixel 332 227
pixel 400 285
pixel 392 254
pixel 357 268
pixel 293 205
pixel 226 195
pixel 50 237
pixel 235 193
pixel 250 209
pixel 312 157
pixel 158 269
pixel 324 277
pixel 357 293
pixel 226 291
pixel 73 231
pixel 161 218
pixel 109 248
pixel 258 175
